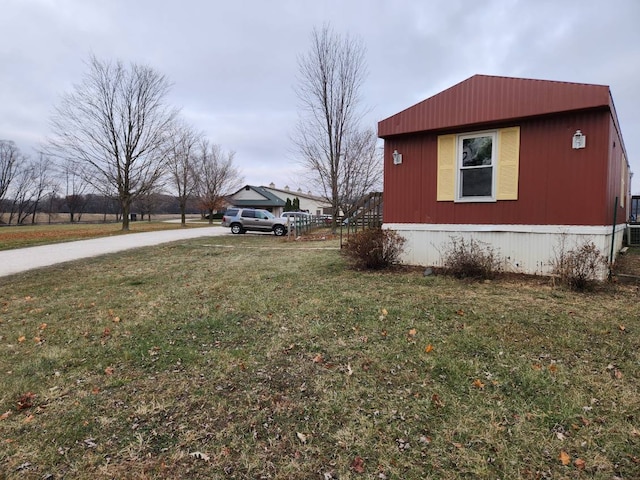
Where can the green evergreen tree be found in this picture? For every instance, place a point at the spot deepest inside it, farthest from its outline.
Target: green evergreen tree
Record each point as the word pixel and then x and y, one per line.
pixel 296 204
pixel 288 206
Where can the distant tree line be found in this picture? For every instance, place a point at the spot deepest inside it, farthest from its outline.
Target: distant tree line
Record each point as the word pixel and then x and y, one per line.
pixel 116 147
pixel 43 190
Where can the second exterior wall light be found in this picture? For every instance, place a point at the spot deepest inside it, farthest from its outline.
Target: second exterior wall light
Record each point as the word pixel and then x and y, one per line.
pixel 397 157
pixel 579 140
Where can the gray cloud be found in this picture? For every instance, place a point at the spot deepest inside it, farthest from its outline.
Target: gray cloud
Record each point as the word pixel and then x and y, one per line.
pixel 234 64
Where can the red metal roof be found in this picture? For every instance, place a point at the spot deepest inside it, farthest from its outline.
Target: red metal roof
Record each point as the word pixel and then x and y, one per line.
pixel 485 99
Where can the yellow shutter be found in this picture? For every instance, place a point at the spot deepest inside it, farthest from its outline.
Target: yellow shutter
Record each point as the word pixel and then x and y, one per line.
pixel 446 168
pixel 508 163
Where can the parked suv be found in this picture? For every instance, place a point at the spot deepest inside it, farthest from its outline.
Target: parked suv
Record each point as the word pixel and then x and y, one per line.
pixel 243 220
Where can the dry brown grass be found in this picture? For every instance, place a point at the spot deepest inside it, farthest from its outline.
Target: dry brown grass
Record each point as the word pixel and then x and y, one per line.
pixel 254 357
pixel 30 235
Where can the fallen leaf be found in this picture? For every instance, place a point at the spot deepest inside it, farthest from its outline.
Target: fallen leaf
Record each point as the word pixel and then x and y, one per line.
pixel 564 458
pixel 116 319
pixel 90 443
pixel 24 466
pixel 622 328
pixel 384 312
pixel 28 418
pixel 579 463
pixel 349 369
pixel 43 326
pixel 413 332
pixel 5 415
pixel 537 366
pixel 460 312
pixel 200 456
pixel 457 445
pixel 436 401
pixel 302 437
pixel 553 368
pixel 617 373
pixel 106 332
pixel 383 333
pixel 357 465
pixel 26 401
pixel 428 348
pixel 318 358
pixel 477 383
pixel 108 371
pixel 22 338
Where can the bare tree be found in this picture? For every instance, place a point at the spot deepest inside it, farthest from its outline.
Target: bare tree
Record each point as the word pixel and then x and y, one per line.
pixel 360 168
pixel 328 137
pixel 75 189
pixel 181 164
pixel 10 160
pixel 116 123
pixel 217 177
pixel 21 194
pixel 43 181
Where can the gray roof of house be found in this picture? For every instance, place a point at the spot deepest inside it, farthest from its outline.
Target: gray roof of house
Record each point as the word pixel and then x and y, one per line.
pixel 270 199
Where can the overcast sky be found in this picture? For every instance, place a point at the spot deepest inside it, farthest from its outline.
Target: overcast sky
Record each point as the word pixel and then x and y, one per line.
pixel 233 63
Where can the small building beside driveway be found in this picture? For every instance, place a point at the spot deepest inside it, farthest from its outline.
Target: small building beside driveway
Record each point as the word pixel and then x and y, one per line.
pixel 525 166
pixel 275 199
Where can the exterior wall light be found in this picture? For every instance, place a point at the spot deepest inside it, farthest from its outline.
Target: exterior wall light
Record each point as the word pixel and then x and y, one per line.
pixel 397 157
pixel 579 140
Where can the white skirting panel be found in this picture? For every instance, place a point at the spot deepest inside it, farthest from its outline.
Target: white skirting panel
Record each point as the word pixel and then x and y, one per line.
pixel 529 249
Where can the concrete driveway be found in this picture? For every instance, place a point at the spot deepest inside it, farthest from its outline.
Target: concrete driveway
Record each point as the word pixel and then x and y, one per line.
pixel 23 259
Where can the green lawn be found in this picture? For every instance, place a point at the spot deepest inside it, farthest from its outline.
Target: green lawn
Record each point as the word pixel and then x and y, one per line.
pixel 254 357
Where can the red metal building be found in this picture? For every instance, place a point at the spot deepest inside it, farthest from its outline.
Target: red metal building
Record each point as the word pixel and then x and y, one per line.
pixel 518 163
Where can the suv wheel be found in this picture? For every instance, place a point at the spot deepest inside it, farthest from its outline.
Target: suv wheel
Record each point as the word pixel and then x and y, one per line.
pixel 236 228
pixel 279 230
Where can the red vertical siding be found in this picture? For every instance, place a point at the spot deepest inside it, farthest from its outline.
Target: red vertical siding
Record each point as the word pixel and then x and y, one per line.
pixel 614 173
pixel 557 184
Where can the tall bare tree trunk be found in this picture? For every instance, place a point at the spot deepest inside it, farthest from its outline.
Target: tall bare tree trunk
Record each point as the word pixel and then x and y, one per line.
pixel 328 135
pixel 116 124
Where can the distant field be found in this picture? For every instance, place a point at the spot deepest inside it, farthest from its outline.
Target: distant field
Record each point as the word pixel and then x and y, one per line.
pixel 31 235
pixel 45 219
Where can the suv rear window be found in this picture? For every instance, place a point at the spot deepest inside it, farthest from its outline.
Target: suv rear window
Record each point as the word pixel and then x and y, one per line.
pixel 248 214
pixel 231 212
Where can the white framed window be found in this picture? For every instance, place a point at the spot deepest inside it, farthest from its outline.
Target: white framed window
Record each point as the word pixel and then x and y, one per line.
pixel 476 167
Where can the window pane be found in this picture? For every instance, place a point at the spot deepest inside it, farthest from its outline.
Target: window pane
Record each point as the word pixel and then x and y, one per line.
pixel 476 151
pixel 248 214
pixel 476 182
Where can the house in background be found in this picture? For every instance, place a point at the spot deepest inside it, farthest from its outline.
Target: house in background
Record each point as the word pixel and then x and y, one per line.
pixel 313 204
pixel 274 199
pixel 522 165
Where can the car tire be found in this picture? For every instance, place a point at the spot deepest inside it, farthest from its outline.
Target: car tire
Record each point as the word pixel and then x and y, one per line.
pixel 236 228
pixel 279 230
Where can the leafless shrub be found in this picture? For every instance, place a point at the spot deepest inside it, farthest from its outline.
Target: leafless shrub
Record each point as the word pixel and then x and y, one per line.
pixel 375 248
pixel 580 267
pixel 471 259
